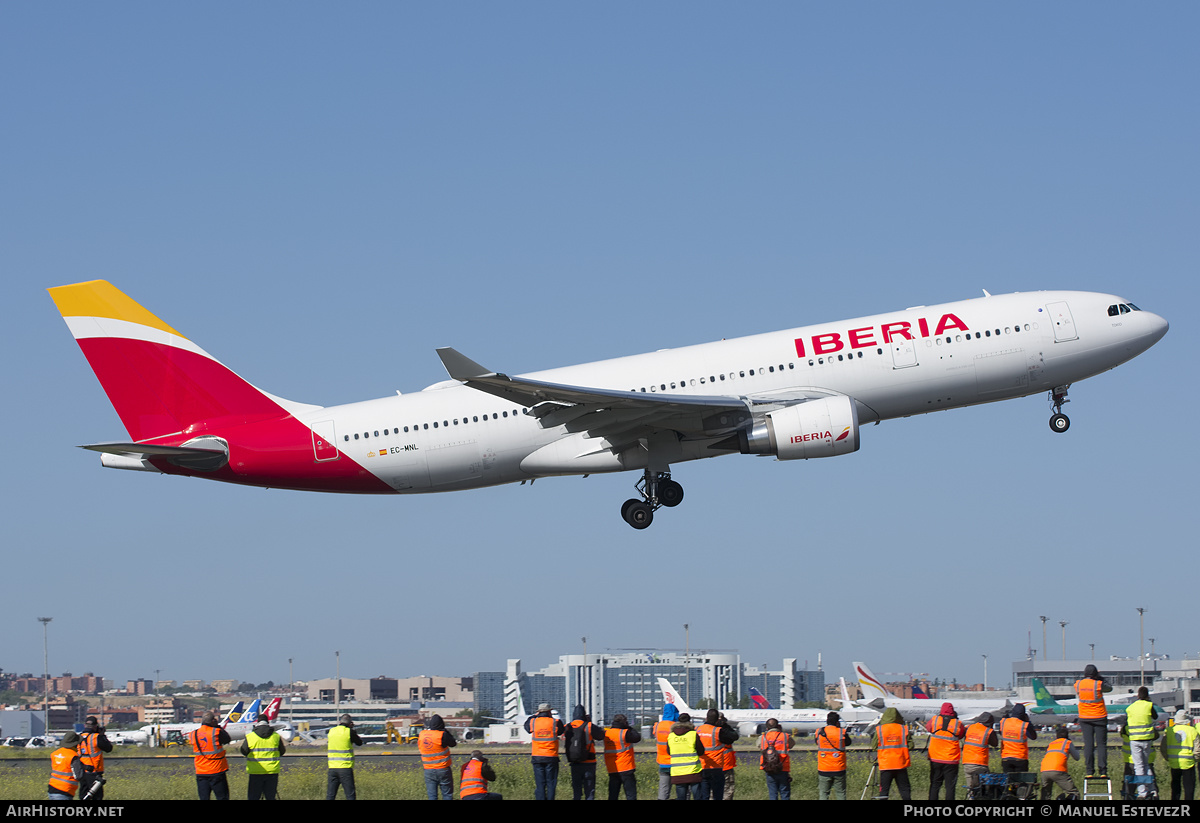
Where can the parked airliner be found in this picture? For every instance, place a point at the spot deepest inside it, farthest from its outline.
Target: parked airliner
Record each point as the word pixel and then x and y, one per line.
pixel 751 721
pixel 875 696
pixel 795 394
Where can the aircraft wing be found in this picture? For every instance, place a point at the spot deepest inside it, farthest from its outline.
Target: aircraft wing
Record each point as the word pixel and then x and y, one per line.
pixel 604 412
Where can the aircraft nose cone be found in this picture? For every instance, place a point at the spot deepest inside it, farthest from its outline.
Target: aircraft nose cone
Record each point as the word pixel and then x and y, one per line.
pixel 1158 327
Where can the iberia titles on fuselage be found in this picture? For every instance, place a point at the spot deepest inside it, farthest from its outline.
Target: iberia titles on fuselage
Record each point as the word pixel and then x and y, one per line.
pixel 795 394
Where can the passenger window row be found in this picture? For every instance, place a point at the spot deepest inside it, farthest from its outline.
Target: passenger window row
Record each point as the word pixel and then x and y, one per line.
pixel 821 361
pixel 715 378
pixel 445 424
pixel 959 338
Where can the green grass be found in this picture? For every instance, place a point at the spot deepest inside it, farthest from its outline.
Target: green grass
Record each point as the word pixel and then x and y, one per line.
pixel 133 776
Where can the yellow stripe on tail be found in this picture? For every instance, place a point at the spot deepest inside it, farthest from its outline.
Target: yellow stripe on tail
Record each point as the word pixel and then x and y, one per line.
pixel 99 298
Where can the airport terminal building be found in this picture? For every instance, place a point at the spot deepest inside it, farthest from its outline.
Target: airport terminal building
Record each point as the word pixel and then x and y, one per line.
pixel 1173 682
pixel 626 682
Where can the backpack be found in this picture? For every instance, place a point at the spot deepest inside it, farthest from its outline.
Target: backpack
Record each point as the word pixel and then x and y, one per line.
pixel 772 763
pixel 577 743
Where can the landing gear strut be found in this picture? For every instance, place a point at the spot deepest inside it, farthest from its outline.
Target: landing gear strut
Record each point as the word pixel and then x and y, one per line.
pixel 1059 422
pixel 656 489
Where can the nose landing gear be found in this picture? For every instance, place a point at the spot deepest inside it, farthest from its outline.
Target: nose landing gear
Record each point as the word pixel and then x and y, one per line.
pixel 1059 422
pixel 656 489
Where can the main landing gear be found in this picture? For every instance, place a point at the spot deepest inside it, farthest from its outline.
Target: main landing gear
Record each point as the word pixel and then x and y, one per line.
pixel 657 489
pixel 1059 422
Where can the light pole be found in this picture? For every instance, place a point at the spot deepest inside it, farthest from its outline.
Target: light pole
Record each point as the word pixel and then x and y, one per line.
pixel 584 691
pixel 1043 618
pixel 985 672
pixel 45 621
pixel 1142 645
pixel 687 655
pixel 1063 624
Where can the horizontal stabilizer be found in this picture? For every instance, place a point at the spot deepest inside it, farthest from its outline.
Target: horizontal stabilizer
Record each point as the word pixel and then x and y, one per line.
pixel 147 450
pixel 192 457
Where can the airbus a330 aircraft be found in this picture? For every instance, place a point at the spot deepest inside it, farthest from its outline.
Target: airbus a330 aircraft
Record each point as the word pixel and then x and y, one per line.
pixel 794 394
pixel 752 721
pixel 875 696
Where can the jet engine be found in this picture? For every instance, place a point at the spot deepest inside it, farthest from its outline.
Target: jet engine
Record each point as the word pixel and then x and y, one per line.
pixel 826 427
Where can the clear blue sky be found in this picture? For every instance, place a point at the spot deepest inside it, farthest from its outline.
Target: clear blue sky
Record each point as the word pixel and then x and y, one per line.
pixel 321 194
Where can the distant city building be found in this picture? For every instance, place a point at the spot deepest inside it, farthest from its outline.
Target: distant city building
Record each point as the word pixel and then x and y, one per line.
pixel 354 689
pixel 407 690
pixel 21 723
pixel 489 694
pixel 787 686
pixel 368 716
pixel 626 683
pixel 164 710
pixel 225 686
pixel 65 712
pixel 437 689
pixel 139 687
pixel 66 683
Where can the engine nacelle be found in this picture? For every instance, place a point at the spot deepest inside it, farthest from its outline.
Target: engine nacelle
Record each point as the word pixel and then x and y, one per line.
pixel 826 427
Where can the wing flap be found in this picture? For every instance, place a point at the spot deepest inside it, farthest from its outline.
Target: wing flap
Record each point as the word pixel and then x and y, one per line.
pixel 590 409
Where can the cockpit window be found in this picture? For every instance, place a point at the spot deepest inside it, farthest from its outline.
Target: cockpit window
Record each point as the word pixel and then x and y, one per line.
pixel 1113 311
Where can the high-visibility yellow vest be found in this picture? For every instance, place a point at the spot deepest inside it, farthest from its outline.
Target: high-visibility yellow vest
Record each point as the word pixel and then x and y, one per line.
pixel 1181 746
pixel 264 754
pixel 341 750
pixel 684 759
pixel 1140 726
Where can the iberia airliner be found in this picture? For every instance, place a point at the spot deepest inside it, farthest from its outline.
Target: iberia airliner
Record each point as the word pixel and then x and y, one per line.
pixel 793 394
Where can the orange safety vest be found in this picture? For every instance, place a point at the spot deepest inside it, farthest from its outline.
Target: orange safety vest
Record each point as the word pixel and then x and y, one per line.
pixel 618 751
pixel 210 754
pixel 831 750
pixel 893 751
pixel 470 779
pixel 944 746
pixel 730 759
pixel 545 741
pixel 89 751
pixel 774 738
pixel 1013 745
pixel 714 749
pixel 661 729
pixel 1055 759
pixel 975 745
pixel 433 754
pixel 62 778
pixel 1091 699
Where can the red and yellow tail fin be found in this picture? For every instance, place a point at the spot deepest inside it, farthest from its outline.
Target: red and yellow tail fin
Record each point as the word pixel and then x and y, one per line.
pixel 159 382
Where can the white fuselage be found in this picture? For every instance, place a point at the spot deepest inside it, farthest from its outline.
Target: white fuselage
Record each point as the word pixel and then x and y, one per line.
pixel 893 365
